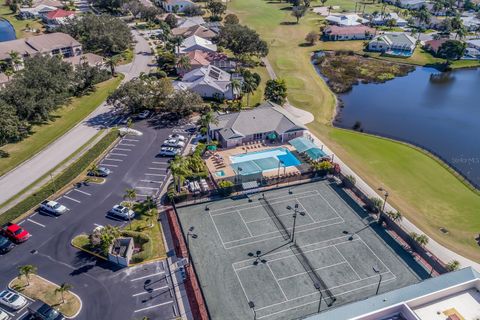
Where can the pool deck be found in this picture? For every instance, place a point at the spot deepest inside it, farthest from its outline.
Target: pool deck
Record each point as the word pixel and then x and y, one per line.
pixel 215 165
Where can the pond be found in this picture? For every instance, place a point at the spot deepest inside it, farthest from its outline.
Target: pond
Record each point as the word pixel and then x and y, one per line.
pixel 7 32
pixel 437 111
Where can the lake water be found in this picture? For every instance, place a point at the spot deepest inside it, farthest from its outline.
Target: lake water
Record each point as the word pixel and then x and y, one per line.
pixel 440 114
pixel 7 32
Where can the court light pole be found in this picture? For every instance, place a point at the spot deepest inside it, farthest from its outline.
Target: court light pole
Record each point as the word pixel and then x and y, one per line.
pixel 252 306
pixel 295 212
pixel 377 271
pixel 194 236
pixel 280 163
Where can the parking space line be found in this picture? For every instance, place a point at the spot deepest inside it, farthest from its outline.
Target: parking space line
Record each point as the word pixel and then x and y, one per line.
pixel 97 225
pixel 86 193
pixel 156 174
pixel 110 159
pixel 151 307
pixel 152 181
pixel 146 292
pixel 163 169
pixel 149 188
pixel 126 144
pixel 122 149
pixel 23 315
pixel 133 140
pixel 156 162
pixel 148 276
pixel 69 198
pixel 110 165
pixel 37 223
pixel 118 154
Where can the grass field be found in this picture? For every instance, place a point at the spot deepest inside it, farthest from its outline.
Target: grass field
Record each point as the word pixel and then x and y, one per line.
pixel 20 25
pixel 420 187
pixel 66 118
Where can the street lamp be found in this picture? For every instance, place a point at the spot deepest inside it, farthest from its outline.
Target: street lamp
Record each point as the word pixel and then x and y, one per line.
pixel 280 163
pixel 252 306
pixel 377 271
pixel 385 195
pixel 194 236
pixel 295 211
pixel 239 175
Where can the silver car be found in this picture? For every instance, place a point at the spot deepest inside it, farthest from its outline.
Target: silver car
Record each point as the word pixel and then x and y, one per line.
pixel 122 212
pixel 12 299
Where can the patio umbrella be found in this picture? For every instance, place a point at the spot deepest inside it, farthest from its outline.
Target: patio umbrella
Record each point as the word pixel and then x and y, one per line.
pixel 272 136
pixel 212 148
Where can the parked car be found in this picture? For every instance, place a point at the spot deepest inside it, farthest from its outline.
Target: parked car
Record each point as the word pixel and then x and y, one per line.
pixel 42 311
pixel 191 130
pixel 53 207
pixel 173 143
pixel 169 152
pixel 125 120
pixel 5 246
pixel 12 299
pixel 4 315
pixel 15 233
pixel 144 114
pixel 100 172
pixel 122 212
pixel 177 136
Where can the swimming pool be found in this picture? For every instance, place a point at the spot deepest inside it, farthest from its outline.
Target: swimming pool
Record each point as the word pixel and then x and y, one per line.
pixel 258 161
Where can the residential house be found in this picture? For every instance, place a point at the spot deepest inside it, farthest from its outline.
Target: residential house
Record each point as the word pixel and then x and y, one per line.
pixel 473 50
pixel 35 12
pixel 57 17
pixel 92 59
pixel 52 3
pixel 472 23
pixel 359 32
pixel 187 22
pixel 199 58
pixel 382 19
pixel 176 5
pixel 408 4
pixel 397 44
pixel 209 82
pixel 234 129
pixel 196 30
pixel 215 26
pixel 196 43
pixel 434 45
pixel 346 20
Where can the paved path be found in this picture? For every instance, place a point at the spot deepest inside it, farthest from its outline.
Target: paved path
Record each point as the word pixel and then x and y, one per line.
pixel 436 248
pixel 26 173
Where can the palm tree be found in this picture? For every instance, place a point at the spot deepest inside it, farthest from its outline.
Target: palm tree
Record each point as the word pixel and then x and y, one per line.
pixel 249 86
pixel 453 265
pixel 395 216
pixel 94 169
pixel 130 195
pixel 423 16
pixel 64 288
pixel 183 63
pixel 205 120
pixel 236 86
pixel 179 170
pixel 112 62
pixel 461 33
pixel 9 72
pixel 14 60
pixel 26 271
pixel 420 239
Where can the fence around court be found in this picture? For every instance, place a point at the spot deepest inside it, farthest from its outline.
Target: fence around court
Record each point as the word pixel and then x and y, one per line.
pixel 192 286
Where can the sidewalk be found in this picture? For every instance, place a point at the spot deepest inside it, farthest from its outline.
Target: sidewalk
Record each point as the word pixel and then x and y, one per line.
pixel 444 254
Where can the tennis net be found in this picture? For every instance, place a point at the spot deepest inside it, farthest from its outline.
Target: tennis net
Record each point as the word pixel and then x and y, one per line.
pixel 275 218
pixel 317 281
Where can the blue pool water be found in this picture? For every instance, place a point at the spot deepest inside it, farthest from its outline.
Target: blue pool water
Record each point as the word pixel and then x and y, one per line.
pixel 220 173
pixel 7 32
pixel 264 160
pixel 398 52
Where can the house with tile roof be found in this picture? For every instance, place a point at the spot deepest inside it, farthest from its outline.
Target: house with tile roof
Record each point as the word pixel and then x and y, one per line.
pixel 176 5
pixel 234 129
pixel 57 17
pixel 337 33
pixel 196 30
pixel 397 44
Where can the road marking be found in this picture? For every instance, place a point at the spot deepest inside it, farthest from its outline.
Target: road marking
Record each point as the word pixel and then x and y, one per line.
pixel 86 193
pixel 152 181
pixel 110 165
pixel 23 315
pixel 119 160
pixel 148 276
pixel 98 225
pixel 72 199
pixel 151 307
pixel 118 154
pixel 133 140
pixel 122 149
pixel 150 188
pixel 37 223
pixel 146 292
pixel 163 169
pixel 126 144
pixel 155 174
pixel 156 162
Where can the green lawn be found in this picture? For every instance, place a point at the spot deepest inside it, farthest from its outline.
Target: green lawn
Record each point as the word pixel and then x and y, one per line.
pixel 422 189
pixel 66 118
pixel 20 25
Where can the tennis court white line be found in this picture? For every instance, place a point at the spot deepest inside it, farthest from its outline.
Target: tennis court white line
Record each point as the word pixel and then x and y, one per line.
pixel 279 215
pixel 151 307
pixel 314 301
pixel 241 284
pixel 259 205
pixel 301 273
pixel 147 292
pixel 278 284
pixel 343 257
pixel 306 211
pixel 376 255
pixel 328 204
pixel 245 224
pixel 249 205
pixel 280 236
pixel 86 193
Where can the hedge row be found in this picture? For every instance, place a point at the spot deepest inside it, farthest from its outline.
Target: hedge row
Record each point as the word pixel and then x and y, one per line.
pixel 69 174
pixel 145 245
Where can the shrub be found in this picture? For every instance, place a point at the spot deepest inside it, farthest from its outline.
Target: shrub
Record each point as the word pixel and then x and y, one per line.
pixel 349 181
pixel 225 187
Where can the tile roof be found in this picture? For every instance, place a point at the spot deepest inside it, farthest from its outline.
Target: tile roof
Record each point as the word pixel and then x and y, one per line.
pixel 59 13
pixel 434 45
pixel 348 30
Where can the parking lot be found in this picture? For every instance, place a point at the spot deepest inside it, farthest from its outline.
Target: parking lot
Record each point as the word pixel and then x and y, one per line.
pixel 107 291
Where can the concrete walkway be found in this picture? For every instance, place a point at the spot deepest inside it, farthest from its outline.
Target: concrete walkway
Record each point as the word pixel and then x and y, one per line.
pixel 444 254
pixel 29 171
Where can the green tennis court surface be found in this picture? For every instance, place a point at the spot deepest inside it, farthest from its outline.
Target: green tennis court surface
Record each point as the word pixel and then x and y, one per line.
pixel 244 253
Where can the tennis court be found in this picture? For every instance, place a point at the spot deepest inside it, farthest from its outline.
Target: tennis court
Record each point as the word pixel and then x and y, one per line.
pixel 249 251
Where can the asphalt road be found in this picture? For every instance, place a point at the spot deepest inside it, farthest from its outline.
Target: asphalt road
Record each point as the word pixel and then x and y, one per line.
pixel 107 292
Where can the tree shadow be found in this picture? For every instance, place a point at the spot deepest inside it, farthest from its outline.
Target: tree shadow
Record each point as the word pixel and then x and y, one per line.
pixel 305 44
pixel 288 23
pixel 289 8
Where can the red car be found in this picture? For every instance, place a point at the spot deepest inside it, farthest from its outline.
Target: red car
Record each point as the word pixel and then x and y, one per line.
pixel 16 233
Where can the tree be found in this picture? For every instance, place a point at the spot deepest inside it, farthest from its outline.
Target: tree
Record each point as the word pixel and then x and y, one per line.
pixel 183 103
pixel 183 63
pixel 391 23
pixel 298 12
pixel 394 215
pixel 112 62
pixel 251 81
pixel 15 60
pixel 26 271
pixel 94 169
pixel 453 265
pixel 107 236
pixel 192 11
pixel 217 8
pixel 130 195
pixel 420 239
pixel 276 91
pixel 64 288
pixel 242 40
pixel 231 19
pixel 323 2
pixel 171 20
pixel 452 50
pixel 312 37
pixel 236 86
pixel 205 120
pixel 179 170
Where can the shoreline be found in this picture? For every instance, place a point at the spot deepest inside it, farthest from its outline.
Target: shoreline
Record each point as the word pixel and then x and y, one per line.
pixel 433 155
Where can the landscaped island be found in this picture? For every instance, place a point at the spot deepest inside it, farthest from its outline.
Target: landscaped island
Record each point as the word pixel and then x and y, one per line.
pixel 344 69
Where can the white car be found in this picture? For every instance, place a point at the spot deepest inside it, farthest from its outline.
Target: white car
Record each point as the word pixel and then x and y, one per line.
pixel 173 143
pixel 122 212
pixel 53 207
pixel 144 114
pixel 177 136
pixel 3 315
pixel 169 152
pixel 12 299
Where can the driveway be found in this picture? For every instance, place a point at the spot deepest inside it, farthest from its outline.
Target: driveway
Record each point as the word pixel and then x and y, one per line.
pixel 107 291
pixel 26 173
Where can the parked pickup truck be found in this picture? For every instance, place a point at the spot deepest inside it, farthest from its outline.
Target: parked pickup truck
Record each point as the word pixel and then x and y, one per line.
pixel 53 207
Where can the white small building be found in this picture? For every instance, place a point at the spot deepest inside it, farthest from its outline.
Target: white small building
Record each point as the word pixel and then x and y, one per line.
pixel 346 20
pixel 176 5
pixel 409 4
pixel 382 19
pixel 399 44
pixel 472 23
pixel 196 43
pixel 35 12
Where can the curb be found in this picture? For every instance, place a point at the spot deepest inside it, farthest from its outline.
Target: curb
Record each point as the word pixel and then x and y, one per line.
pixel 87 251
